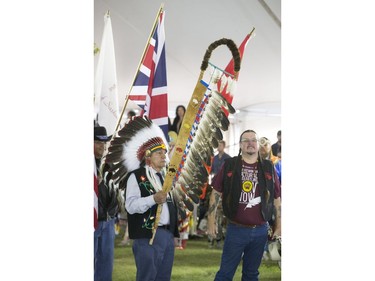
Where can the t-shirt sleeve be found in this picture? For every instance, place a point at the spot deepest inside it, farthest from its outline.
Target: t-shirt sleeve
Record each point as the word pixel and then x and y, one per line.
pixel 217 180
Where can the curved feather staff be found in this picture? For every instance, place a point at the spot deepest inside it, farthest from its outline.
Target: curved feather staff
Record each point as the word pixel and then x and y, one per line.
pixel 201 121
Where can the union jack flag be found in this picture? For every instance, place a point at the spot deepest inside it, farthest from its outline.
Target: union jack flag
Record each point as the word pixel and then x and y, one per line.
pixel 149 90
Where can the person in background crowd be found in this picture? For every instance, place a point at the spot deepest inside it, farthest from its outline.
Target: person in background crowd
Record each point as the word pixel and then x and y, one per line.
pixel 219 158
pixel 177 121
pixel 183 228
pixel 104 234
pixel 250 190
pixel 276 145
pixel 265 150
pixel 278 165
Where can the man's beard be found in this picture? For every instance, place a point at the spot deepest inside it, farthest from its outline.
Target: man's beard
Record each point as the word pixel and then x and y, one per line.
pixel 250 153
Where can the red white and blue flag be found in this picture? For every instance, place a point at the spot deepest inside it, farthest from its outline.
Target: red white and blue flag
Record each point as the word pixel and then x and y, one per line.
pixel 96 194
pixel 149 90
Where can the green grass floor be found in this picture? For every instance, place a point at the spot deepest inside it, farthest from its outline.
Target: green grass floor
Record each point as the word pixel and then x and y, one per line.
pixel 197 262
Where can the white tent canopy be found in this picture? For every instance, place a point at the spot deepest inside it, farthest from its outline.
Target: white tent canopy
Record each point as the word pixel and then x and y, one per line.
pixel 190 27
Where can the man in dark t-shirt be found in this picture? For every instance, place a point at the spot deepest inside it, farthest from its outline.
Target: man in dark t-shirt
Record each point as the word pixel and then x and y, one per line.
pixel 250 188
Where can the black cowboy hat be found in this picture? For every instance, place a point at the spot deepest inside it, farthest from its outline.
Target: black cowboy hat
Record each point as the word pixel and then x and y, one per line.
pixel 100 134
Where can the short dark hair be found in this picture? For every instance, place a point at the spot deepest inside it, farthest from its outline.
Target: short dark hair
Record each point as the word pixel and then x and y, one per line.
pixel 279 133
pixel 247 131
pixel 222 141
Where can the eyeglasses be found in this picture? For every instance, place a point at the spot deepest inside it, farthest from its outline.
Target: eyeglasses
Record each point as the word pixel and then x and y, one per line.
pixel 249 140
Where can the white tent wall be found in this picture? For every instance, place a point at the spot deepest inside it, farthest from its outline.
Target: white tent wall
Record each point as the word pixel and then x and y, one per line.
pixel 190 27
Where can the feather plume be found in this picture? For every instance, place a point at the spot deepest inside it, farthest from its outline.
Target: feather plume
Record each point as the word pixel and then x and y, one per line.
pixel 115 147
pixel 188 203
pixel 218 99
pixel 130 144
pixel 216 75
pixel 223 83
pixel 119 174
pixel 114 157
pixel 232 87
pixel 116 166
pixel 192 195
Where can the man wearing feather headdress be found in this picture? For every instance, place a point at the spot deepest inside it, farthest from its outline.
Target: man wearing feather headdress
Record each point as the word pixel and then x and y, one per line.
pixel 140 154
pixel 250 191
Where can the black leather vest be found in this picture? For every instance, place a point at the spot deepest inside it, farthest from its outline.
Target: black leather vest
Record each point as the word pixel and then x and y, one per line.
pixel 232 182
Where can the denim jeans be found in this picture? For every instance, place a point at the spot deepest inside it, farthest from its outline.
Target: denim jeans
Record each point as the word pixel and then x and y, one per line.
pixel 154 262
pixel 104 243
pixel 246 243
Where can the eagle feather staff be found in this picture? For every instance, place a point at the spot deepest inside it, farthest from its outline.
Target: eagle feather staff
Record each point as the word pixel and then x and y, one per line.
pixel 197 131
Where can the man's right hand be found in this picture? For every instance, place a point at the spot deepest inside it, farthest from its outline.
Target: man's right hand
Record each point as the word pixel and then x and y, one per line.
pixel 160 197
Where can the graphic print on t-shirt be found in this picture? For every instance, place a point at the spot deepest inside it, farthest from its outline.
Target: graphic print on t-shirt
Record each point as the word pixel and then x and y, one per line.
pixel 249 186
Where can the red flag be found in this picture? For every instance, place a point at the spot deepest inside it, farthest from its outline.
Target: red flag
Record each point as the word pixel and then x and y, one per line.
pixel 96 192
pixel 230 69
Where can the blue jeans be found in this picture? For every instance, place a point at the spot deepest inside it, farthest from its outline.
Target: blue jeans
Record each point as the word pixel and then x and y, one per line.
pixel 154 262
pixel 104 243
pixel 246 243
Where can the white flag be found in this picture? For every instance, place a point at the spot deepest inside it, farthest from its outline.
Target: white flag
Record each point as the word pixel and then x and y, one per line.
pixel 106 98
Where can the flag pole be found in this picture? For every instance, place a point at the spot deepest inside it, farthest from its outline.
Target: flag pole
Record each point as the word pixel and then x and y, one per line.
pixel 139 64
pixel 251 32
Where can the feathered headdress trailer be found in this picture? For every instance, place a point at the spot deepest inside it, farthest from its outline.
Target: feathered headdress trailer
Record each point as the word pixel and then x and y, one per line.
pixel 132 145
